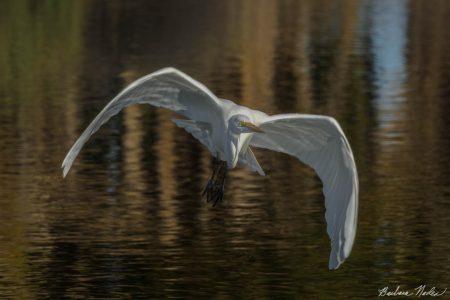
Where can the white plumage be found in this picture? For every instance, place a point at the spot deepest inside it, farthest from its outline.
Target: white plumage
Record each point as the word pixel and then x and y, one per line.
pixel 229 131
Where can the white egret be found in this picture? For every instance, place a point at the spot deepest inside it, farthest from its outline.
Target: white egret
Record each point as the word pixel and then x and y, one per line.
pixel 229 131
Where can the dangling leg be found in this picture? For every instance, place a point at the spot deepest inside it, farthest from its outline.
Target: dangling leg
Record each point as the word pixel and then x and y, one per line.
pixel 220 186
pixel 211 180
pixel 215 188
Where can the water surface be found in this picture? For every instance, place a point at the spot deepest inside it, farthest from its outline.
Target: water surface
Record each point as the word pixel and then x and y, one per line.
pixel 129 220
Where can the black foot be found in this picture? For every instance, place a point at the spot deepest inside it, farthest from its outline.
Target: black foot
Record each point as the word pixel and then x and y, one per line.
pixel 215 194
pixel 215 188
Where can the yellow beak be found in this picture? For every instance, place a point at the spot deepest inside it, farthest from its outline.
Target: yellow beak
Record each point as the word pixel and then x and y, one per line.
pixel 252 127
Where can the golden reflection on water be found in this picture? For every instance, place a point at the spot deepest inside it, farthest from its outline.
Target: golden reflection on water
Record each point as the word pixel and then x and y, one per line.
pixel 129 220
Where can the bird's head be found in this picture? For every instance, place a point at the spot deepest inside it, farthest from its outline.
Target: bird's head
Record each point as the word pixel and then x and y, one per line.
pixel 240 130
pixel 242 124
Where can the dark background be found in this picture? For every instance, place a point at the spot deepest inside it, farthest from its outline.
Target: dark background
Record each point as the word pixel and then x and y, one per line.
pixel 129 220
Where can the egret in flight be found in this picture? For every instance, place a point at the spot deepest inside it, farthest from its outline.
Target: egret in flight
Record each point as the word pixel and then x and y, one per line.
pixel 229 131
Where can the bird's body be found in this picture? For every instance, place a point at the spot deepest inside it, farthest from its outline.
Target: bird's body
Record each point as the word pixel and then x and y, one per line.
pixel 220 145
pixel 229 131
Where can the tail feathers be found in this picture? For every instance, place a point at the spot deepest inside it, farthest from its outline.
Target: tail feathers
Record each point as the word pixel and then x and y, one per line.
pixel 249 159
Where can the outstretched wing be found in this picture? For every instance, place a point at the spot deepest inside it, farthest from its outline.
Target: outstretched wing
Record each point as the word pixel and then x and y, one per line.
pixel 168 88
pixel 319 142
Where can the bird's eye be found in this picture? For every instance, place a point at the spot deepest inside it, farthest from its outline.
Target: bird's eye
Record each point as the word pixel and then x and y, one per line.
pixel 241 124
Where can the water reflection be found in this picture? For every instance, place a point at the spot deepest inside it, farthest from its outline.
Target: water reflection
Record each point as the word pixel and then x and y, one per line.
pixel 129 220
pixel 388 34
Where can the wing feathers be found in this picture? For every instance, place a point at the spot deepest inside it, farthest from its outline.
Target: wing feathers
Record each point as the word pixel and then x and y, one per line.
pixel 319 142
pixel 168 88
